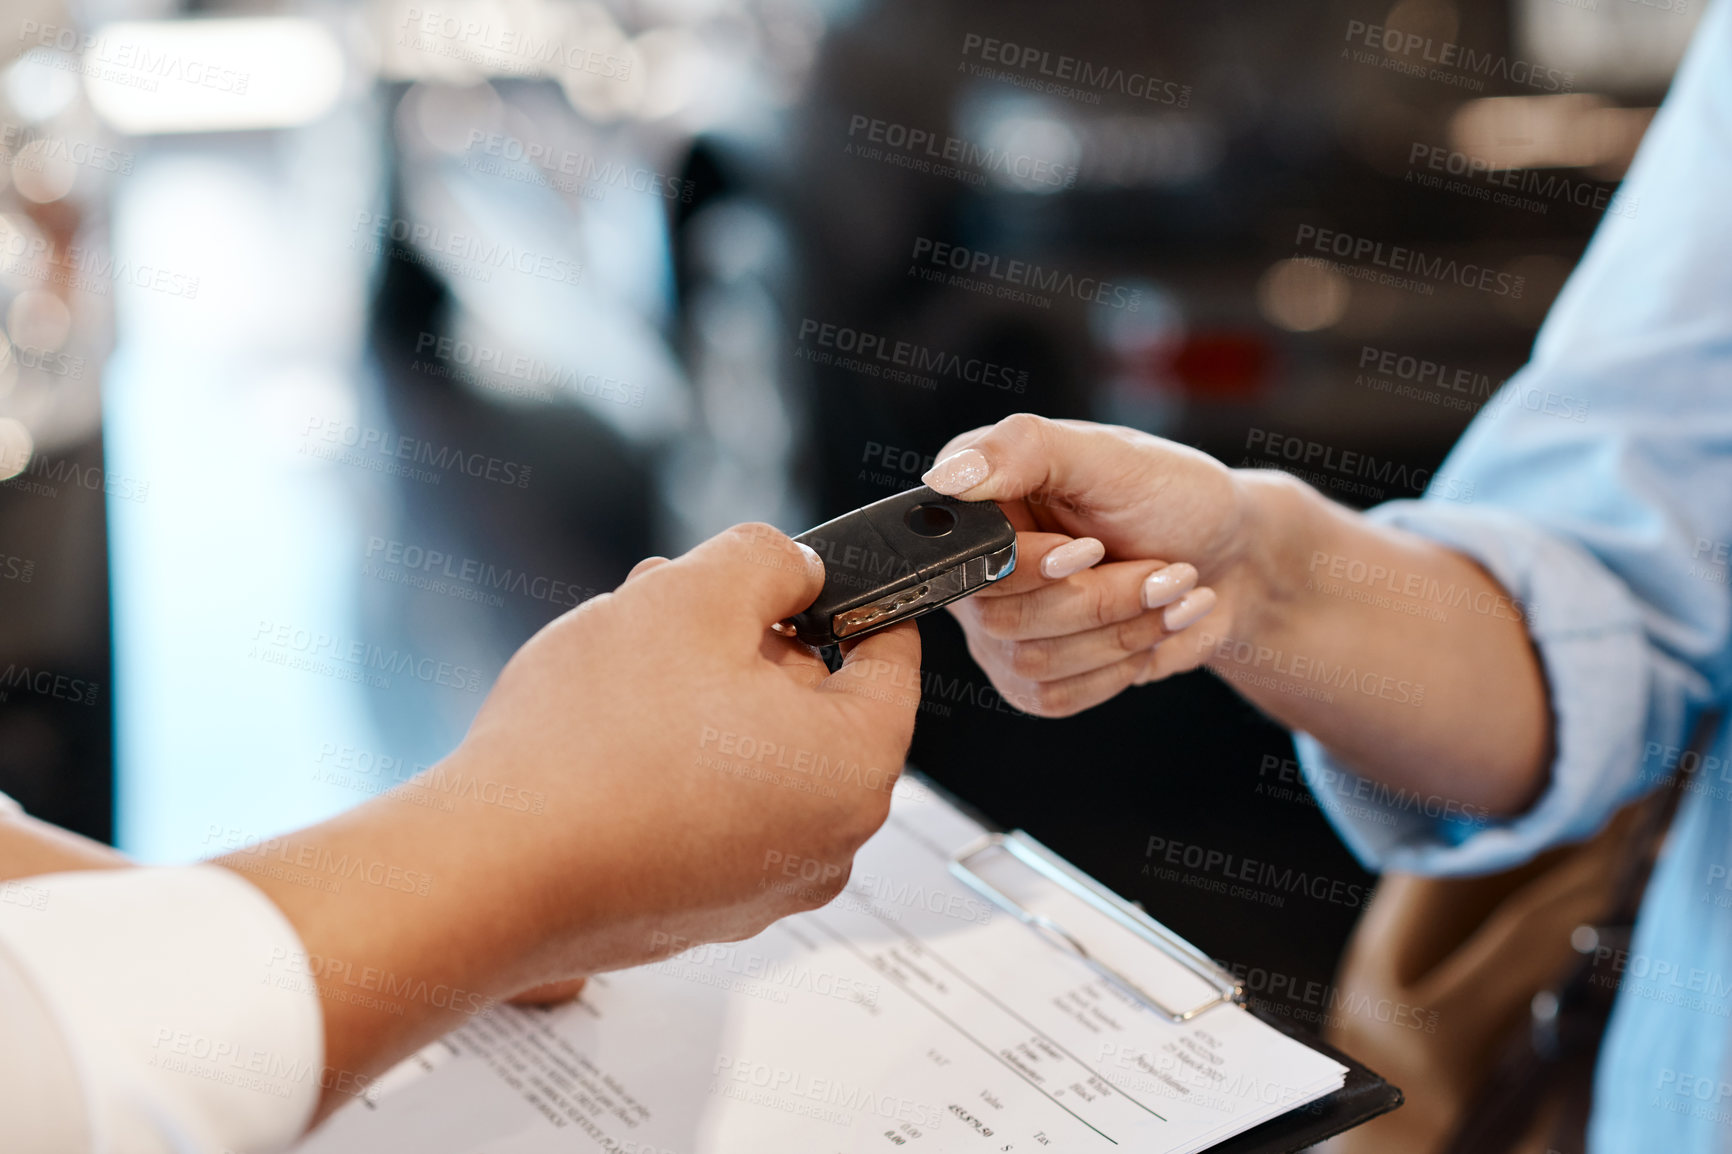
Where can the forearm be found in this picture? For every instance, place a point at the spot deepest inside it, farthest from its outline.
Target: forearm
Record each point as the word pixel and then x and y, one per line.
pixel 29 847
pixel 1405 658
pixel 357 938
pixel 406 927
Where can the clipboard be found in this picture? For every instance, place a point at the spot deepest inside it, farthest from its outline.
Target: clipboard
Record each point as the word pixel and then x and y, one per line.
pixel 1363 1094
pixel 909 1007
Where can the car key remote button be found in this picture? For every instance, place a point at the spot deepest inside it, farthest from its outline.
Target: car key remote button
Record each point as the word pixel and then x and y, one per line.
pixel 930 520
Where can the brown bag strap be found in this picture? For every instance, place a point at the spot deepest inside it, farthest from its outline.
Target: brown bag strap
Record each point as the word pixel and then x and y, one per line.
pixel 1553 1058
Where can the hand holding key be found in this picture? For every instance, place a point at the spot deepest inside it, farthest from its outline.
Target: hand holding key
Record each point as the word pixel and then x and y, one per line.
pixel 677 742
pixel 1124 540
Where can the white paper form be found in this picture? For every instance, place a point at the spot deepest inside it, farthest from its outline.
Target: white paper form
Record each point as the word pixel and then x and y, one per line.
pixel 908 1014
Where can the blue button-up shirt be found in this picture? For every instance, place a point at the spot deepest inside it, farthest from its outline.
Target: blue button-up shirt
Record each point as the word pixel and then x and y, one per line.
pixel 1602 500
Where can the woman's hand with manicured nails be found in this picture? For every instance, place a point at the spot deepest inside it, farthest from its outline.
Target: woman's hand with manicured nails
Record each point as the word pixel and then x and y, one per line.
pixel 1139 558
pixel 1123 541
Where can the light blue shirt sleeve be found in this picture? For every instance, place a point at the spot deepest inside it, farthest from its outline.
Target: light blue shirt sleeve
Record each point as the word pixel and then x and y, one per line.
pixel 1602 497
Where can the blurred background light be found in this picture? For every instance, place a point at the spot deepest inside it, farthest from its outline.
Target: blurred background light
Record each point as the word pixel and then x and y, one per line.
pixel 1149 152
pixel 41 174
pixel 461 41
pixel 39 319
pixel 1032 144
pixel 1302 295
pixel 1612 46
pixel 16 445
pixel 448 115
pixel 36 90
pixel 678 71
pixel 8 367
pixel 1572 130
pixel 213 75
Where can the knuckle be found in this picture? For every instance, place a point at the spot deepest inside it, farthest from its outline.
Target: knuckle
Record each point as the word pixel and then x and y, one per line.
pixel 865 821
pixel 833 885
pixel 1031 660
pixel 801 898
pixel 1000 618
pixel 752 531
pixel 1024 699
pixel 1022 428
pixel 1029 611
pixel 1138 633
pixel 821 891
pixel 755 536
pixel 989 656
pixel 1048 699
pixel 956 443
pixel 1056 699
pixel 996 666
pixel 1099 604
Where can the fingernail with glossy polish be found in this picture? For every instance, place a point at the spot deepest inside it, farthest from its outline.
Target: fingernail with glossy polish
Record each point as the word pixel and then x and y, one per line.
pixel 958 472
pixel 1165 586
pixel 1071 557
pixel 1189 609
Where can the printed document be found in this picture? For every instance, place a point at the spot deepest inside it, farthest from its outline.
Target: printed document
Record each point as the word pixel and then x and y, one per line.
pixel 909 1014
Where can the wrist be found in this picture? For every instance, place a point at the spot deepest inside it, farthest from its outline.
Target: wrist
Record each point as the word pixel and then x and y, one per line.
pixel 1276 527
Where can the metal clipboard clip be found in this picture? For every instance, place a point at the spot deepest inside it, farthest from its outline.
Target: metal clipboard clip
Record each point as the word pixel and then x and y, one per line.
pixel 1055 869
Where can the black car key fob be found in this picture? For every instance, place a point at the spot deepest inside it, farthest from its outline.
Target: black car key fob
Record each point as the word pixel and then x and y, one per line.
pixel 900 557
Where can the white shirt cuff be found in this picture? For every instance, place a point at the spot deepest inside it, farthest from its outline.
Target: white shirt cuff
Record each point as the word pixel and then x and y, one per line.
pixel 153 980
